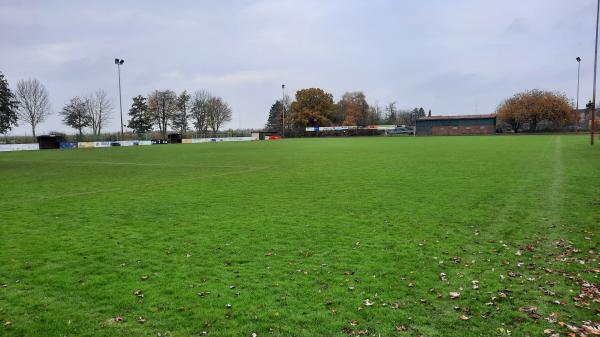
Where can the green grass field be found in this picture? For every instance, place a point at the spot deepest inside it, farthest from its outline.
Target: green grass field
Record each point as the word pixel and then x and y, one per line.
pixel 292 237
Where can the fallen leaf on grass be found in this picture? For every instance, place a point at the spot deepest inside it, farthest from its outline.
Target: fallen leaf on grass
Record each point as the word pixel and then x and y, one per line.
pixel 465 317
pixel 368 303
pixel 454 295
pixel 138 293
pixel 7 323
pixel 553 318
pixel 119 319
pixel 141 320
pixel 400 328
pixel 588 327
pixel 531 312
pixel 594 330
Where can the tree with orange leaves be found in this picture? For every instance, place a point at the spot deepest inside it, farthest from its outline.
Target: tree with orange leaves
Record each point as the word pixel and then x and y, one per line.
pixel 354 109
pixel 534 106
pixel 313 107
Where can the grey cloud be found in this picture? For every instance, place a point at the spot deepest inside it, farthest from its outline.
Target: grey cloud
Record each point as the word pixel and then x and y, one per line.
pixel 447 55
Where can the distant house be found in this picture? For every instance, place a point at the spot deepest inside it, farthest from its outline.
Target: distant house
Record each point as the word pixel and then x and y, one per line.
pixel 456 125
pixel 581 115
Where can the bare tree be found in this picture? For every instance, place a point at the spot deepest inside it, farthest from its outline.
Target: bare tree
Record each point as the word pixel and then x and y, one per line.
pixel 219 112
pixel 161 106
pixel 181 115
pixel 200 109
pixel 34 105
pixel 99 107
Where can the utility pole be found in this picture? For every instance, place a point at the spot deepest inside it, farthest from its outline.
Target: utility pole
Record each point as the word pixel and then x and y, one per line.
pixel 595 73
pixel 578 59
pixel 283 109
pixel 119 63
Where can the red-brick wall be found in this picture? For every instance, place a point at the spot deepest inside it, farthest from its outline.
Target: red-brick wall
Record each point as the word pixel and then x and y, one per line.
pixel 463 130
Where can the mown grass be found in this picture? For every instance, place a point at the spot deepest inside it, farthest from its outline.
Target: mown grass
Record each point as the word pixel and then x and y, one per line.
pixel 295 235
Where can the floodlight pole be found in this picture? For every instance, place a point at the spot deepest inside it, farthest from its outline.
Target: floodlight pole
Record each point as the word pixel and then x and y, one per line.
pixel 283 109
pixel 595 72
pixel 578 77
pixel 119 62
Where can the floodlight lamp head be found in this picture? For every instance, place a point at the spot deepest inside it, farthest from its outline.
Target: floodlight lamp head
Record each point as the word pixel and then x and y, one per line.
pixel 578 59
pixel 122 61
pixel 283 86
pixel 116 61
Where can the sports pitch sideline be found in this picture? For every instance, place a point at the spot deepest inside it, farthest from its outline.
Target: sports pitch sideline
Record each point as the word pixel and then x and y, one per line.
pixel 302 237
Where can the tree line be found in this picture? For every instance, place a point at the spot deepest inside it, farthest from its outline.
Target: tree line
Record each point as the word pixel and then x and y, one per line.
pixel 164 108
pixel 316 107
pixel 161 109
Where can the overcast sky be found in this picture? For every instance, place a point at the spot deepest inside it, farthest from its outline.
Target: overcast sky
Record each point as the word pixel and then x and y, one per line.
pixel 452 56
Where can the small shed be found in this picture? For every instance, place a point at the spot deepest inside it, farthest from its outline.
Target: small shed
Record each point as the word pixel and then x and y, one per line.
pixel 261 135
pixel 175 138
pixel 50 141
pixel 456 125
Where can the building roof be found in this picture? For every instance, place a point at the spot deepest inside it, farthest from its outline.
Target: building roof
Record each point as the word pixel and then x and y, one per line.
pixel 459 117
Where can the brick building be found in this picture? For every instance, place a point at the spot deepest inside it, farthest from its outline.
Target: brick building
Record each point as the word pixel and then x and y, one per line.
pixel 456 125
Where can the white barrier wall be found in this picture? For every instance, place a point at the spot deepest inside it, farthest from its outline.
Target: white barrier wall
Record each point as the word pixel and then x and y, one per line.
pixel 81 145
pixel 214 140
pixel 127 142
pixel 101 144
pixel 343 128
pixel 19 147
pixel 86 145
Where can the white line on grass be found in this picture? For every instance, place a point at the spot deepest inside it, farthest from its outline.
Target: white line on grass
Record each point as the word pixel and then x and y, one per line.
pixel 95 163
